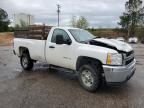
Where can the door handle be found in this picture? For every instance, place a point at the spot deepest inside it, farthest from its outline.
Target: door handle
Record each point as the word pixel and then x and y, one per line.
pixel 51 47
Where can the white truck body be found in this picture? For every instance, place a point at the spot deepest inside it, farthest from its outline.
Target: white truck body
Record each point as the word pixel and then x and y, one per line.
pixel 67 56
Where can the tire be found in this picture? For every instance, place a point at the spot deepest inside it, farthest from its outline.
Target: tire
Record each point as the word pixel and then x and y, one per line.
pixel 89 77
pixel 26 62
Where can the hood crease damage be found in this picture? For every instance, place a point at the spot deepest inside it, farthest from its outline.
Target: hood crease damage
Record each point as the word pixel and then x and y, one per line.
pixel 106 45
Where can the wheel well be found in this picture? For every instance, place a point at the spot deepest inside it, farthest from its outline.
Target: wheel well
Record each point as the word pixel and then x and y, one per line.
pixel 23 50
pixel 86 60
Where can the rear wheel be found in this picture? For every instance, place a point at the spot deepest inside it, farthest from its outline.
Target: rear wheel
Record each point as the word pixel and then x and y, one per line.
pixel 89 77
pixel 26 62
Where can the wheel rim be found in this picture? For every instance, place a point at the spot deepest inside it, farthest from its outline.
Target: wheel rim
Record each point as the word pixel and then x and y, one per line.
pixel 24 62
pixel 87 78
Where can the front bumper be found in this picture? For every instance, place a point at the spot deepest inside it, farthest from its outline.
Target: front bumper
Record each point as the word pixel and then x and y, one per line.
pixel 119 74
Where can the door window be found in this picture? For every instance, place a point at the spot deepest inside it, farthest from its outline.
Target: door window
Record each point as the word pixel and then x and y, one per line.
pixel 59 32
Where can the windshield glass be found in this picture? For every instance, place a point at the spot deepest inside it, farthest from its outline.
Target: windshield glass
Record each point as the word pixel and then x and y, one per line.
pixel 81 35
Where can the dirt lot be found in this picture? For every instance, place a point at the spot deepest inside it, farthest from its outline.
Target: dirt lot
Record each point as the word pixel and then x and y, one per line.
pixel 6 38
pixel 41 88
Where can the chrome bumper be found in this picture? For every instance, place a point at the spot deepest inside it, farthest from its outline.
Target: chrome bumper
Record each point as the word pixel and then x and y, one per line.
pixel 119 74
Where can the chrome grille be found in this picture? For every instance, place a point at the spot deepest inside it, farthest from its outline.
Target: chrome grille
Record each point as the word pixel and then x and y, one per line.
pixel 128 57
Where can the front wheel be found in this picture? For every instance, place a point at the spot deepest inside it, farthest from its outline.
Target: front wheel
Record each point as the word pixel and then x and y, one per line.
pixel 26 62
pixel 89 77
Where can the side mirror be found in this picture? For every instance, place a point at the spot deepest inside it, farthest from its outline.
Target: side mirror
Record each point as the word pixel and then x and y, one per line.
pixel 59 39
pixel 68 42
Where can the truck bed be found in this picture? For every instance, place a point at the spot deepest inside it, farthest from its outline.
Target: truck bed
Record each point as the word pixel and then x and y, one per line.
pixel 34 38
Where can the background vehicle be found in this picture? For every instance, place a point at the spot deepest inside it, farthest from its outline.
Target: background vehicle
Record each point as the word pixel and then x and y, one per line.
pixel 133 40
pixel 120 39
pixel 94 59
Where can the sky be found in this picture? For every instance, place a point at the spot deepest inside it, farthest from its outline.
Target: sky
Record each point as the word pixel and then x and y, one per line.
pixel 99 13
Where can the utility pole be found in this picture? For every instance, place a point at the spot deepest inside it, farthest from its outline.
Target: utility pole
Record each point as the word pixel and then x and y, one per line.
pixel 58 11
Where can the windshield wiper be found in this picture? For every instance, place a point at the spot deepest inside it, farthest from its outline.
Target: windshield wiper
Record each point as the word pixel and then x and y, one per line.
pixel 93 38
pixel 83 41
pixel 96 37
pixel 90 39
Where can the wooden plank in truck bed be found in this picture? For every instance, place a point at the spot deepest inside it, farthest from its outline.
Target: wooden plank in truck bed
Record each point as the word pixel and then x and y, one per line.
pixel 33 32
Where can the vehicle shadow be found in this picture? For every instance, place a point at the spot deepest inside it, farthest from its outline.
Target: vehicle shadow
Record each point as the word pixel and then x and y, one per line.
pixel 69 79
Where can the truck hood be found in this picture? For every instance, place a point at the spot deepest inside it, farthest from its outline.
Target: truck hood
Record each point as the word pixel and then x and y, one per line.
pixel 112 44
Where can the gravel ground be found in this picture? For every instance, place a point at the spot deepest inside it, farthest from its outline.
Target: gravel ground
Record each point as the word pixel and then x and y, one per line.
pixel 41 88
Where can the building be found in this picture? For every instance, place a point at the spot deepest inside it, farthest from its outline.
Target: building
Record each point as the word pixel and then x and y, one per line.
pixel 23 19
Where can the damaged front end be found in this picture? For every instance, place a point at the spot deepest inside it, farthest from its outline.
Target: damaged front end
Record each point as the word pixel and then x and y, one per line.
pixel 117 73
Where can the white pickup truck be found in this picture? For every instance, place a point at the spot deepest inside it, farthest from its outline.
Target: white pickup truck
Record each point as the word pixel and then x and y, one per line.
pixel 93 58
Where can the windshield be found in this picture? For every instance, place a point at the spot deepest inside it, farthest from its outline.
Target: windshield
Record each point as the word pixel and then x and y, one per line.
pixel 81 35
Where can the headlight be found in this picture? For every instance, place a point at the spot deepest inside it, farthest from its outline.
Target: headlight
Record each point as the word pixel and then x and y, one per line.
pixel 114 59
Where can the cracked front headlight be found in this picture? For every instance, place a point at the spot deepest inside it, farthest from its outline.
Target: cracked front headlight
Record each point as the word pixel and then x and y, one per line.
pixel 114 59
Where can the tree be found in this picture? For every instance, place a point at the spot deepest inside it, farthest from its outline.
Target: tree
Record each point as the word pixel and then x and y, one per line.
pixel 4 21
pixel 133 16
pixel 73 21
pixel 80 23
pixel 23 23
pixel 125 21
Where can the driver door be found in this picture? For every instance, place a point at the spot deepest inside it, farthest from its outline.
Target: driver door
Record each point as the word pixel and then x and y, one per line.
pixel 60 54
